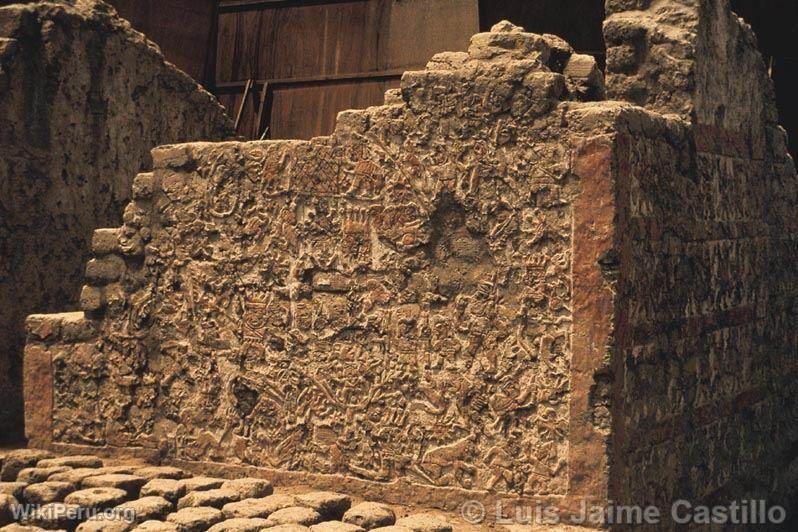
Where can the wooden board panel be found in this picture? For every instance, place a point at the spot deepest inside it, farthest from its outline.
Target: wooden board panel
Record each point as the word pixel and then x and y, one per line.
pixel 302 44
pixel 342 37
pixel 183 29
pixel 421 28
pixel 308 111
pixel 298 41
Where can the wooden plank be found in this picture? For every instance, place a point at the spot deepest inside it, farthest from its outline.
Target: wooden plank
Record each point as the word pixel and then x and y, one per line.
pixel 234 6
pixel 300 41
pixel 246 127
pixel 183 29
pixel 237 86
pixel 309 111
pixel 210 58
pixel 418 29
pixel 264 111
pixel 243 104
pixel 231 102
pixel 341 37
pixel 323 57
pixel 305 111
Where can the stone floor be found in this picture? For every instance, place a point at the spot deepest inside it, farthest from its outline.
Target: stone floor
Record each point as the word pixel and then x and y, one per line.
pixel 85 493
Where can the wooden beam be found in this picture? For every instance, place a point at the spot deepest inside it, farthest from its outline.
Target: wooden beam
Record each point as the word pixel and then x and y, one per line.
pixel 247 88
pixel 234 6
pixel 264 108
pixel 213 52
pixel 231 87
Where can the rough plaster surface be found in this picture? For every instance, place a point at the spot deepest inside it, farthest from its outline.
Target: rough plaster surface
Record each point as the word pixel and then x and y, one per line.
pixel 481 289
pixel 83 99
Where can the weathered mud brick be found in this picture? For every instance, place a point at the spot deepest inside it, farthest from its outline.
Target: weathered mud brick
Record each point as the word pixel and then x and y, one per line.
pixel 39 390
pixel 55 516
pixel 78 461
pixel 162 472
pixel 215 498
pixel 143 186
pixel 330 505
pixel 7 505
pixel 76 327
pixel 425 523
pixel 105 241
pixel 289 528
pixel 370 515
pixel 92 298
pixel 239 525
pixel 169 489
pixel 195 519
pixel 46 492
pixel 261 508
pixel 146 509
pixel 101 498
pixel 102 524
pixel 16 461
pixel 336 526
pixel 201 483
pixel 76 476
pixel 31 475
pixel 156 526
pixel 131 484
pixel 294 515
pixel 16 527
pixel 249 488
pixel 105 270
pixel 12 488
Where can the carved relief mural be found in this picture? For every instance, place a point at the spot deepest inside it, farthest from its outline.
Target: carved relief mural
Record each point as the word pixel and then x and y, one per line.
pixel 393 301
pixel 418 327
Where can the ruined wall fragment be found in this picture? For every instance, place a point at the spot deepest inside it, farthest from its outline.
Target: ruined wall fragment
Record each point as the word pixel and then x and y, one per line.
pixel 705 398
pixel 83 98
pixel 390 303
pixel 651 50
pixel 691 58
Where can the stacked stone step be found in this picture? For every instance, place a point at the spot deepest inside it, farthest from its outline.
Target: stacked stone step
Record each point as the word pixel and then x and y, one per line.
pixel 81 493
pixel 114 250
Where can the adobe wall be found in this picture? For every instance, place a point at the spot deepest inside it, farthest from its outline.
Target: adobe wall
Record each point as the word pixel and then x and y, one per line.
pixel 705 403
pixel 391 307
pixel 83 99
